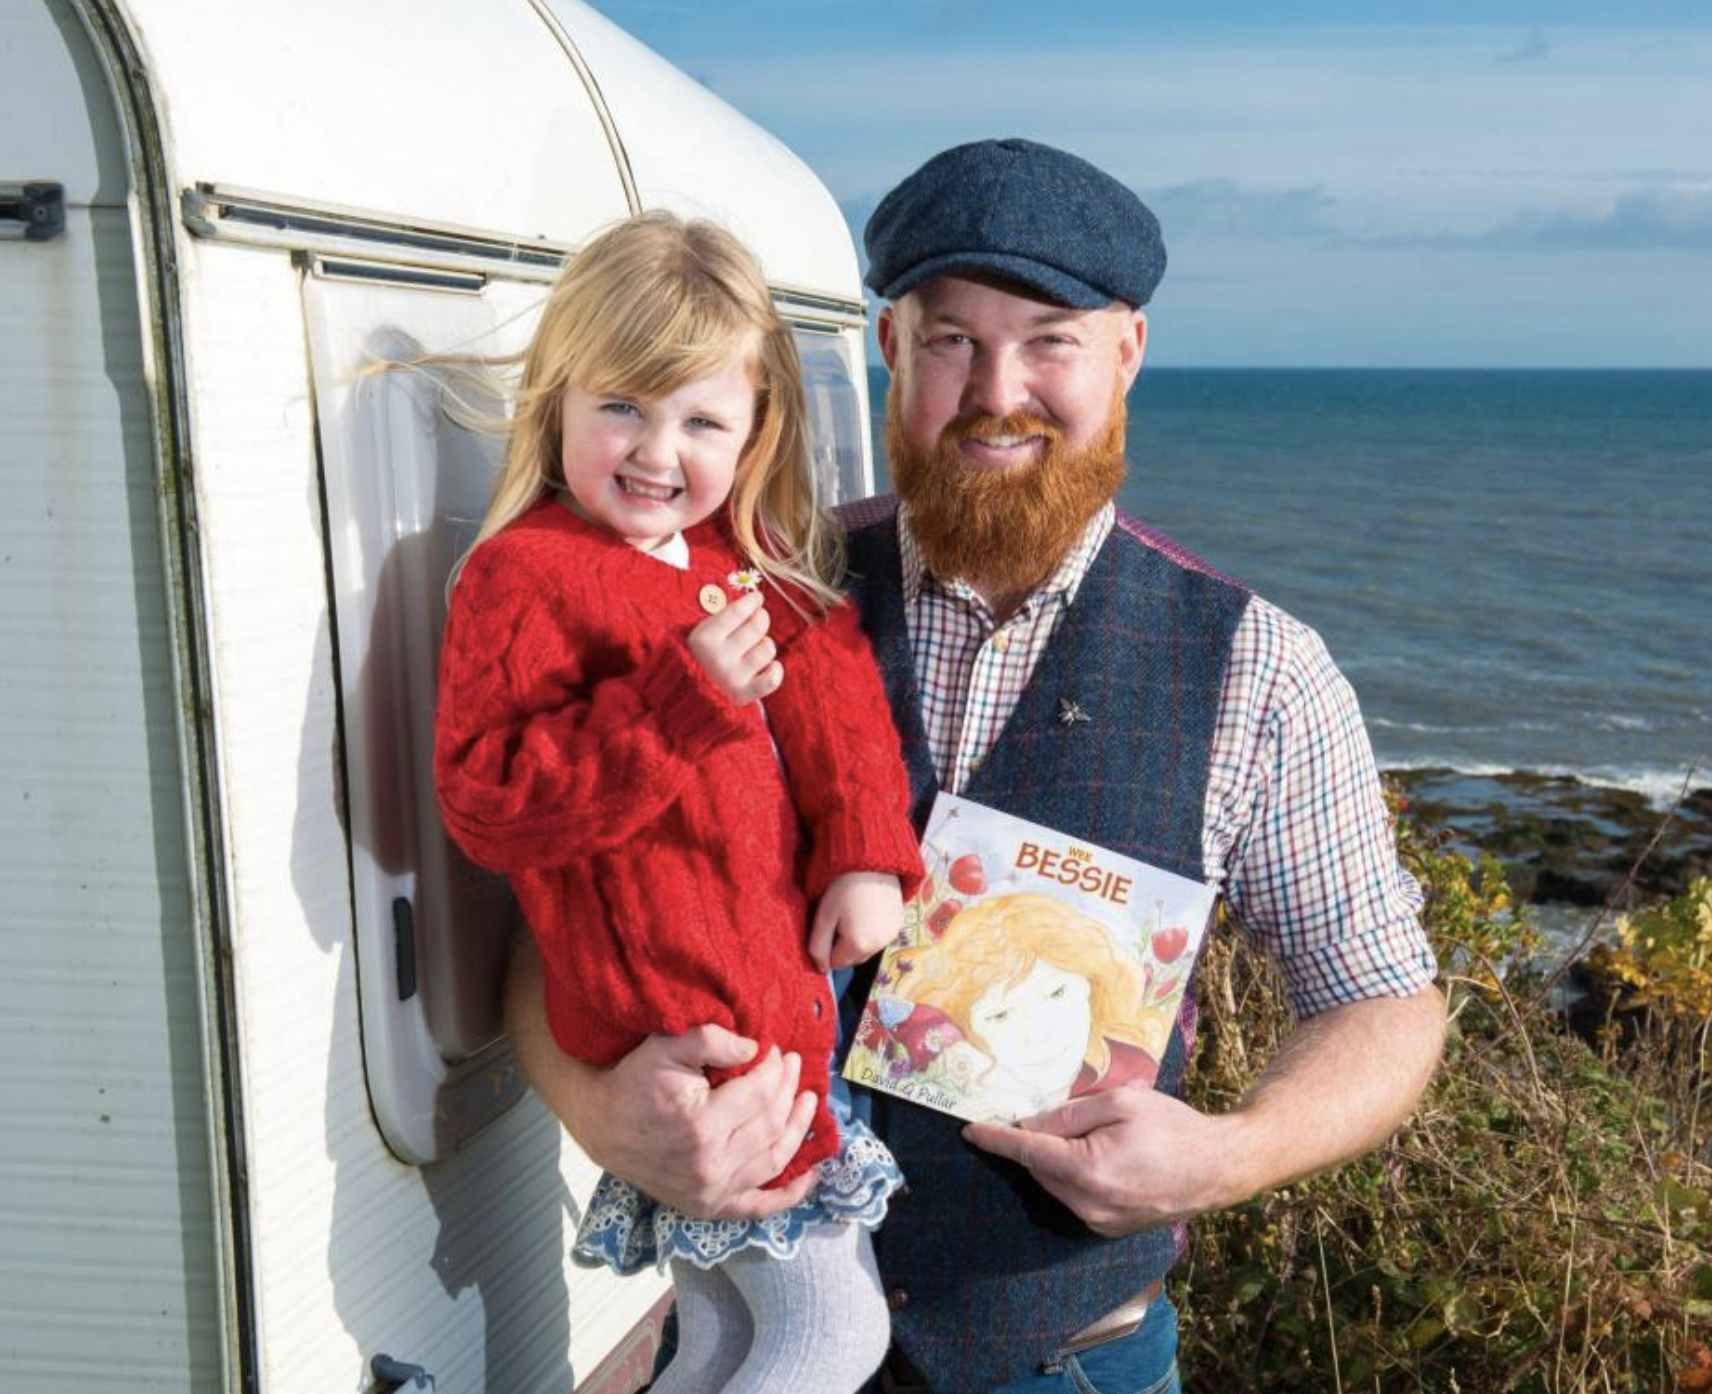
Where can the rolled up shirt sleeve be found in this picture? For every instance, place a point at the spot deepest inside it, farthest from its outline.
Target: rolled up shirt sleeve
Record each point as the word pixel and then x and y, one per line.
pixel 1297 831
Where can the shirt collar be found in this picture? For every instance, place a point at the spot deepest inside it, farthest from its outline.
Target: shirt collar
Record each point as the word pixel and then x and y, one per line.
pixel 1065 580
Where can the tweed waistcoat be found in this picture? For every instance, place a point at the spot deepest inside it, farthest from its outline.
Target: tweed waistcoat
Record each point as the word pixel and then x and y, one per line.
pixel 987 1273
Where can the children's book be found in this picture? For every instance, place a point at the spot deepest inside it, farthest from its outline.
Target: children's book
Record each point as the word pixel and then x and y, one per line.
pixel 1031 968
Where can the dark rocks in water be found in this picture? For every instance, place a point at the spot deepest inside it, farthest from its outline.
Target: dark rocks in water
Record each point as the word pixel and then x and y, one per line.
pixel 1551 885
pixel 1689 866
pixel 1562 841
pixel 1594 1007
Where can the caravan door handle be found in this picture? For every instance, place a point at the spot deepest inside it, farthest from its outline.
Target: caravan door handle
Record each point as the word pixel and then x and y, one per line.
pixel 33 210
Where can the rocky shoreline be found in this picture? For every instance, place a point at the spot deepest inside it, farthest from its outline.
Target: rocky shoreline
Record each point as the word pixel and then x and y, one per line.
pixel 1563 842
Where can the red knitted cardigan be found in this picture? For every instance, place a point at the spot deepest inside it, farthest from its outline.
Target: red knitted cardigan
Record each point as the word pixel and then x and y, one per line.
pixel 665 856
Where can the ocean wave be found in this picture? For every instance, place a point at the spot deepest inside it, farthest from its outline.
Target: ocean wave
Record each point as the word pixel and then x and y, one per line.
pixel 1619 721
pixel 1476 769
pixel 1659 787
pixel 1424 728
pixel 1468 729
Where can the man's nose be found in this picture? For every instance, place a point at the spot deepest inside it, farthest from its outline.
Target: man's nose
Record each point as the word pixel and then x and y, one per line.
pixel 997 384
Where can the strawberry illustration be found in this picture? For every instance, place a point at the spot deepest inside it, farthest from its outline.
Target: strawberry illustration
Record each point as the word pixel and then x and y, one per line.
pixel 941 916
pixel 967 875
pixel 1168 944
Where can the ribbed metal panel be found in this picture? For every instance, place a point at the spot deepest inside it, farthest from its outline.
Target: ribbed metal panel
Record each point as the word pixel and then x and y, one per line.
pixel 107 1270
pixel 461 1266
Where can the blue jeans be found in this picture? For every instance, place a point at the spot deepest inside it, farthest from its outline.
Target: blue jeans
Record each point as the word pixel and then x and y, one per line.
pixel 1143 1362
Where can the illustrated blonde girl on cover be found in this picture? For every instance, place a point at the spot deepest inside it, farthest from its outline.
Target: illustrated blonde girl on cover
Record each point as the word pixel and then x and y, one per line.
pixel 657 714
pixel 1044 994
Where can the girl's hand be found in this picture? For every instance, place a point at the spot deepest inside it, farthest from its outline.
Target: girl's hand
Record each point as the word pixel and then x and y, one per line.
pixel 734 649
pixel 861 912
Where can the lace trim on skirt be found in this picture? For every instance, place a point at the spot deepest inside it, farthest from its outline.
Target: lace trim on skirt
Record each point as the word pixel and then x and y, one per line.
pixel 625 1230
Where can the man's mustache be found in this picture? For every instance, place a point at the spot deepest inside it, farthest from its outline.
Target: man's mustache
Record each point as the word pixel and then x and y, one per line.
pixel 979 426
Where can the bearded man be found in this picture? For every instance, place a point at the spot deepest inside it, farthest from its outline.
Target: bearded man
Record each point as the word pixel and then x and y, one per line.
pixel 1046 655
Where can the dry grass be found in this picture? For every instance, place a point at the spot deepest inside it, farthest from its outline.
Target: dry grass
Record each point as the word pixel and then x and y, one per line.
pixel 1543 1224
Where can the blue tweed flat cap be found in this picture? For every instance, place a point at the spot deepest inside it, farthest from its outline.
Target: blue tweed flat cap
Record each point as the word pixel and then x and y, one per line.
pixel 1021 210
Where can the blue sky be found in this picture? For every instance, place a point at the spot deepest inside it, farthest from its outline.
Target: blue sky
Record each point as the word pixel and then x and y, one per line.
pixel 1499 184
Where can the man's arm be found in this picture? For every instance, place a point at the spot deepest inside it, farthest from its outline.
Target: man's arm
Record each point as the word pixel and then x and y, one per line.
pixel 652 1117
pixel 1129 1159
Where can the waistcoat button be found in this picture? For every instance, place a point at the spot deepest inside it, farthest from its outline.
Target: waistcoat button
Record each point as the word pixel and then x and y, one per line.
pixel 897 1299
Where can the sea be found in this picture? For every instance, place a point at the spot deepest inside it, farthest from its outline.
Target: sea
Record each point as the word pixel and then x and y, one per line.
pixel 1513 568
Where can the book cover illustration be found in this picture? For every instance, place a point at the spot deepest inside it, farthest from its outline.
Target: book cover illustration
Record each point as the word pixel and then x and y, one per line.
pixel 1030 969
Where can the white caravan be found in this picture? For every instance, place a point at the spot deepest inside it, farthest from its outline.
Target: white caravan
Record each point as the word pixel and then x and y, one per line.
pixel 260 1127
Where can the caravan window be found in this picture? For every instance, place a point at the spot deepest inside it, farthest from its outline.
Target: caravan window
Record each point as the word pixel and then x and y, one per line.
pixel 409 456
pixel 837 415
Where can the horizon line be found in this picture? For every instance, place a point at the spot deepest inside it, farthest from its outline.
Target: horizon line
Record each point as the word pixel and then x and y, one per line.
pixel 875 365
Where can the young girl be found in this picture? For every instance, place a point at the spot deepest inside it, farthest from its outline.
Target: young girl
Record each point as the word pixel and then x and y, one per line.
pixel 601 737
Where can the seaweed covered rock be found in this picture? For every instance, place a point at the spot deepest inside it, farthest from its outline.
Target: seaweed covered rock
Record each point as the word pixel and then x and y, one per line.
pixel 1561 840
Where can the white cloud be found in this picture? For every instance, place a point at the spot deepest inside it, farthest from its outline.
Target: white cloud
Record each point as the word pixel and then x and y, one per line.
pixel 1677 217
pixel 1530 50
pixel 1226 209
pixel 1670 217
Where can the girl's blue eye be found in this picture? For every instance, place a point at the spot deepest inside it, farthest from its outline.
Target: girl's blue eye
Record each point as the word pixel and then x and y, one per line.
pixel 620 408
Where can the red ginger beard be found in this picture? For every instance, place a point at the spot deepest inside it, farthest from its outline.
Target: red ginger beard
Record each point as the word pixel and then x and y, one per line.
pixel 1005 530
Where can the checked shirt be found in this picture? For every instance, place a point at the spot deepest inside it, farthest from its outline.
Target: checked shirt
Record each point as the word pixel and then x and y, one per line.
pixel 1295 834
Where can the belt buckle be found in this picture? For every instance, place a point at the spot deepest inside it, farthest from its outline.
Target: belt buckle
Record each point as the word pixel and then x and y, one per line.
pixel 1123 1320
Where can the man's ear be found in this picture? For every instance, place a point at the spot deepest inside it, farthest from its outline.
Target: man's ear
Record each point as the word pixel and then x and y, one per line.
pixel 1132 347
pixel 888 331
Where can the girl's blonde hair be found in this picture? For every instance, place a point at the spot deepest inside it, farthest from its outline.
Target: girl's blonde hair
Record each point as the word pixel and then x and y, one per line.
pixel 997 942
pixel 653 303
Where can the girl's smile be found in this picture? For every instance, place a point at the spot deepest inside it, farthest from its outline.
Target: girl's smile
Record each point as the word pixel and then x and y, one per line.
pixel 649 467
pixel 663 492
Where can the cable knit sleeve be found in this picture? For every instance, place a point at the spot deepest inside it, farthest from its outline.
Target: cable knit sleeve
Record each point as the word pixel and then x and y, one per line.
pixel 534 764
pixel 841 753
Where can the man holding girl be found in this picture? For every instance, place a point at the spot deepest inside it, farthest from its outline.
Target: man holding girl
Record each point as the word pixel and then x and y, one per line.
pixel 1053 658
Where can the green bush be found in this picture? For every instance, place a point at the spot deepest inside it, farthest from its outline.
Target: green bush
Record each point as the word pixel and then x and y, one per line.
pixel 1542 1225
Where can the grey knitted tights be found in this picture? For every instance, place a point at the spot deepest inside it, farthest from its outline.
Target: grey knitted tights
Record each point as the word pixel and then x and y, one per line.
pixel 759 1325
